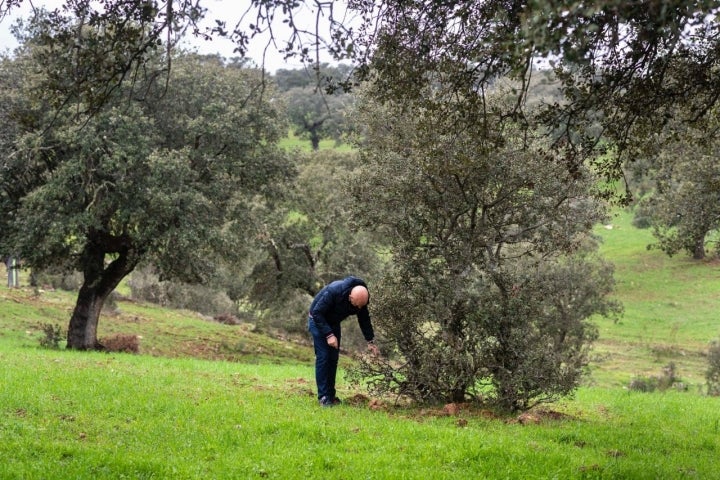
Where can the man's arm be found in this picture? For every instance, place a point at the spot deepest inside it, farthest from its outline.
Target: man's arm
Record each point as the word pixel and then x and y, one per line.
pixel 365 324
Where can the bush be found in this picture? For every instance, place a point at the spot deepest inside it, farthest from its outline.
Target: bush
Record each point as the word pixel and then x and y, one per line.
pixel 121 343
pixel 227 319
pixel 642 213
pixel 145 285
pixel 509 337
pixel 53 334
pixel 57 279
pixel 643 384
pixel 667 379
pixel 110 306
pixel 712 375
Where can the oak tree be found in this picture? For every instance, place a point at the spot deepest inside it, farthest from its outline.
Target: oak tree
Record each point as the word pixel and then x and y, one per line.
pixel 166 170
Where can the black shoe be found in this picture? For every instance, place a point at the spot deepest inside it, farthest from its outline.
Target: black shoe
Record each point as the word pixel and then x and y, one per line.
pixel 326 402
pixel 336 401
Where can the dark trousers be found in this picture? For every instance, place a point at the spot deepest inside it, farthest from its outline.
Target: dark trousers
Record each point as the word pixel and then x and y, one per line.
pixel 326 360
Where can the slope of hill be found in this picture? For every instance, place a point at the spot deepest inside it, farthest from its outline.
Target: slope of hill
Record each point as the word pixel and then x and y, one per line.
pixel 670 317
pixel 163 332
pixel 208 400
pixel 670 313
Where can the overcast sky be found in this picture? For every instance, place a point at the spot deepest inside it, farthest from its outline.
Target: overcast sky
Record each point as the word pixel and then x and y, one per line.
pixel 228 10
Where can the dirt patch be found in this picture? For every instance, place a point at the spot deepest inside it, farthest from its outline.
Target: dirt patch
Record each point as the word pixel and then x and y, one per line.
pixel 535 417
pixel 300 386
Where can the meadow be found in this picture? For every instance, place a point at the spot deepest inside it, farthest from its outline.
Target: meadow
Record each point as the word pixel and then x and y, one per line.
pixel 213 401
pixel 293 142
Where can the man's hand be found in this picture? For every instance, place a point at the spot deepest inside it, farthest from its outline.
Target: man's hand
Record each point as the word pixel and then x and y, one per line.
pixel 332 341
pixel 374 350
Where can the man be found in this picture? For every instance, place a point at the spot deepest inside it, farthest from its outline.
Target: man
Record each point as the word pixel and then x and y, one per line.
pixel 333 304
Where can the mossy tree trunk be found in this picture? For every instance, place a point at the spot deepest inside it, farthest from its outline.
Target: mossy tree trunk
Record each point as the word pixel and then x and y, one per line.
pixel 99 282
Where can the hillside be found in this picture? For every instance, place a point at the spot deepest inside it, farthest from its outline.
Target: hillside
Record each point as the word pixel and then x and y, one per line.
pixel 163 332
pixel 670 310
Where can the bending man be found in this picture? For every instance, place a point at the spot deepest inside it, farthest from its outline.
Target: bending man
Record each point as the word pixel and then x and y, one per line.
pixel 333 304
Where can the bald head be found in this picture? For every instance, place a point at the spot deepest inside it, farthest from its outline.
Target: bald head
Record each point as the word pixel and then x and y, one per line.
pixel 359 296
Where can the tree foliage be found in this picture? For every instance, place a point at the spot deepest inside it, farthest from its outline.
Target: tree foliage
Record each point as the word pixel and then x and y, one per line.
pixel 327 75
pixel 493 278
pixel 90 69
pixel 624 66
pixel 311 239
pixel 683 208
pixel 165 172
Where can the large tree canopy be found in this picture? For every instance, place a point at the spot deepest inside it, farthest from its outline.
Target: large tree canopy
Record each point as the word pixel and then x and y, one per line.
pixel 162 171
pixel 625 65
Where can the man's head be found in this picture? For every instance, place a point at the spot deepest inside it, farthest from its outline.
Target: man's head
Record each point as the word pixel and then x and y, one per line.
pixel 359 296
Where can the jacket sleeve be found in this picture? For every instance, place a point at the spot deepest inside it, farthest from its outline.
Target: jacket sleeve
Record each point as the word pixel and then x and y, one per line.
pixel 365 324
pixel 320 309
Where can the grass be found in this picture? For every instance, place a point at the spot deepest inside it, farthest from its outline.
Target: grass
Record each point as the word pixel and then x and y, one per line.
pixel 90 415
pixel 293 142
pixel 669 299
pixel 206 400
pixel 163 332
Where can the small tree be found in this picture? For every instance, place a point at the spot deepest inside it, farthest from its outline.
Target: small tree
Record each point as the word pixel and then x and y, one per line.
pixel 493 277
pixel 684 207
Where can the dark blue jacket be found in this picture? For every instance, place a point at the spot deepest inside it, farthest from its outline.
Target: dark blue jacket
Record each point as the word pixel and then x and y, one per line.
pixel 332 305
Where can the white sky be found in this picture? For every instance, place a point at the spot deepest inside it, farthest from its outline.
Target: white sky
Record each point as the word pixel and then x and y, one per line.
pixel 228 10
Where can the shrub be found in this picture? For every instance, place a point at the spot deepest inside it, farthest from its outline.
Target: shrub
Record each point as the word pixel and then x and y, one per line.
pixel 110 306
pixel 516 337
pixel 56 279
pixel 667 379
pixel 712 375
pixel 643 384
pixel 121 343
pixel 145 285
pixel 52 335
pixel 642 213
pixel 227 319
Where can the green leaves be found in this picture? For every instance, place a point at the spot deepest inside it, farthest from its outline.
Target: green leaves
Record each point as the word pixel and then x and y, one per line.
pixel 683 207
pixel 163 170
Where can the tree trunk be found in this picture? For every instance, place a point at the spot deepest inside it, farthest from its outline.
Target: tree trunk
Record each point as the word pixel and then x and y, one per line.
pixel 99 282
pixel 699 249
pixel 315 140
pixel 82 333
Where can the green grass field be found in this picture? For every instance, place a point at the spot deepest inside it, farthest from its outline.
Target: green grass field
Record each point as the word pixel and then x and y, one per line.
pixel 210 401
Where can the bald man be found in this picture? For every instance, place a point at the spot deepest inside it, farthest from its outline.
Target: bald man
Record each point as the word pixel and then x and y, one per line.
pixel 333 304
